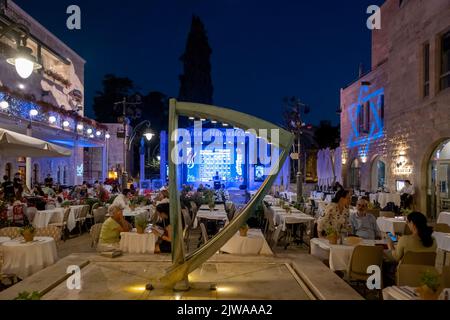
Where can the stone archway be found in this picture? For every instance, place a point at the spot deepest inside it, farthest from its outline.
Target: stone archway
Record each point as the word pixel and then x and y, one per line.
pixel 378 173
pixel 435 175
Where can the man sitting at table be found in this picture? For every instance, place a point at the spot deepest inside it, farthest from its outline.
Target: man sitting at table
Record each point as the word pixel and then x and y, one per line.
pixel 122 200
pixel 364 225
pixel 110 233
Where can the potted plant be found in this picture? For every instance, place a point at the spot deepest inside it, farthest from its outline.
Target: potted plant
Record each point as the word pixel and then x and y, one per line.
pixel 28 233
pixel 65 204
pixel 25 295
pixel 332 235
pixel 141 224
pixel 430 285
pixel 243 230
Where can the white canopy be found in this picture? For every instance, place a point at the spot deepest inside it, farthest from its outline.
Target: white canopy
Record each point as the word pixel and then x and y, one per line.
pixel 19 145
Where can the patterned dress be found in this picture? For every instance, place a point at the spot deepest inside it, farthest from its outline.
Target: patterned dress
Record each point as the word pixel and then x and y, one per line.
pixel 333 218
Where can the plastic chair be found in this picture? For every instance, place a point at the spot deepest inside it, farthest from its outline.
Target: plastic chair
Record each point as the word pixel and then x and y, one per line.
pixel 419 258
pixel 362 258
pixel 410 274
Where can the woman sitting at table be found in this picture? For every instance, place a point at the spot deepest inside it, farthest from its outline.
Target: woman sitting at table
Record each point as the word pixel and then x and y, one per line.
pixel 111 229
pixel 336 214
pixel 123 200
pixel 163 229
pixel 419 241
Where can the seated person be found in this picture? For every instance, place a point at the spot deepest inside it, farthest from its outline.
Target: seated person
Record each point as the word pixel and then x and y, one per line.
pixel 419 241
pixel 364 225
pixel 164 229
pixel 122 200
pixel 162 197
pixel 110 233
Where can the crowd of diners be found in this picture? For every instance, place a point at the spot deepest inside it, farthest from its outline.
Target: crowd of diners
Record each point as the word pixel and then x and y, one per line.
pixel 363 224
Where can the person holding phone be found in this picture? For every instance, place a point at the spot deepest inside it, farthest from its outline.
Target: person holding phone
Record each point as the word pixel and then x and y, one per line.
pixel 419 241
pixel 163 229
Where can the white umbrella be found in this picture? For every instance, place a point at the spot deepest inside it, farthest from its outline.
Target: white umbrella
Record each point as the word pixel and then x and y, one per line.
pixel 19 145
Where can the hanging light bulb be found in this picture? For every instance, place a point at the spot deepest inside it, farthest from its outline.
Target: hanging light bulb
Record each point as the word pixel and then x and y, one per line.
pixel 33 112
pixel 24 62
pixel 80 126
pixel 4 104
pixel 89 131
pixel 66 124
pixel 52 119
pixel 107 135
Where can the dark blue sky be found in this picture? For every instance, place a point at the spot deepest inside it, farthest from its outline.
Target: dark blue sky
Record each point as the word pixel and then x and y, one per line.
pixel 262 50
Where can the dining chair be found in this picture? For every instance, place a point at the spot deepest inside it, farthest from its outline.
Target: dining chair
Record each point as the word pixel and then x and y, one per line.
pixel 50 231
pixel 11 232
pixel 410 274
pixel 30 212
pixel 419 258
pixel 99 215
pixel 82 217
pixel 387 214
pixel 63 224
pixel 362 258
pixel 205 236
pixel 95 234
pixel 442 227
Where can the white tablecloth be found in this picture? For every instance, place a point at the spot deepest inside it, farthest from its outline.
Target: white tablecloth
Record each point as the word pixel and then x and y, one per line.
pixel 444 217
pixel 4 239
pixel 393 225
pixel 24 259
pixel 218 207
pixel 137 243
pixel 219 215
pixel 384 198
pixel 44 217
pixel 74 214
pixel 254 243
pixel 338 255
pixel 281 218
pixel 442 240
pixel 136 212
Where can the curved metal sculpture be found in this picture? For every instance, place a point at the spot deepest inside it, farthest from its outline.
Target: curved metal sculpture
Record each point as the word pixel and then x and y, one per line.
pixel 177 276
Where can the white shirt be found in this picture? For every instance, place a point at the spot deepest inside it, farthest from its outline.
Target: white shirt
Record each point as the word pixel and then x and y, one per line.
pixel 121 201
pixel 408 189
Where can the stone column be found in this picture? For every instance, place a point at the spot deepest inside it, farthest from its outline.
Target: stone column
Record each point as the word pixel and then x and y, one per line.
pixel 28 162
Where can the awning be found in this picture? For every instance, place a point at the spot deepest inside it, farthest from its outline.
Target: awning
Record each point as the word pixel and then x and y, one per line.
pixel 19 145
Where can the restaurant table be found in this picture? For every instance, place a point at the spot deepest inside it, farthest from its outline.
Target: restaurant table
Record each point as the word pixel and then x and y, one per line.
pixel 133 242
pixel 44 217
pixel 4 239
pixel 73 215
pixel 442 243
pixel 26 258
pixel 281 217
pixel 444 217
pixel 339 255
pixel 252 244
pixel 127 212
pixel 218 215
pixel 385 198
pixel 373 197
pixel 393 225
pixel 205 207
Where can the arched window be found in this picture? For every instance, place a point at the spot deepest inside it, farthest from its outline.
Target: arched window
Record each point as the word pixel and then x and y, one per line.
pixel 354 175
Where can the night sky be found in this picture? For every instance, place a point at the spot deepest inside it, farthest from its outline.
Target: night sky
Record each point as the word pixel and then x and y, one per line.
pixel 262 50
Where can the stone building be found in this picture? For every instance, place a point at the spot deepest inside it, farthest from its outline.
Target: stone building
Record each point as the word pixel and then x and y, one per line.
pixel 55 94
pixel 395 120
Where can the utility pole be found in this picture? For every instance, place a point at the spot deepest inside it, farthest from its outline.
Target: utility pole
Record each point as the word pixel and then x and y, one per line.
pixel 125 122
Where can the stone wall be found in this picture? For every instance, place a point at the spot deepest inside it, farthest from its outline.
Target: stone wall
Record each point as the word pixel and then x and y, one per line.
pixel 413 126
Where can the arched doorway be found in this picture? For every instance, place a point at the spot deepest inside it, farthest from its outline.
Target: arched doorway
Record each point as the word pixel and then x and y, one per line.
pixel 378 174
pixel 354 177
pixel 438 180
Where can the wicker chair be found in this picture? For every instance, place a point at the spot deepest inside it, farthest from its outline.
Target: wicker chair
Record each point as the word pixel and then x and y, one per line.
pixel 95 234
pixel 51 231
pixel 11 232
pixel 82 217
pixel 63 224
pixel 419 258
pixel 442 227
pixel 99 215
